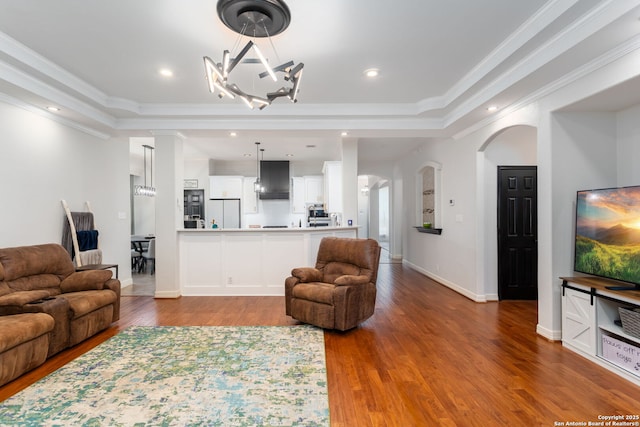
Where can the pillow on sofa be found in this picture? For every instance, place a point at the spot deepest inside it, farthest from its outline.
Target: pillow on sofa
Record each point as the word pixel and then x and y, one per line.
pixel 85 280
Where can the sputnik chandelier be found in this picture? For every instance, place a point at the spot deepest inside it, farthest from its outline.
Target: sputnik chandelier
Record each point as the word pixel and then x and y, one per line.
pixel 257 19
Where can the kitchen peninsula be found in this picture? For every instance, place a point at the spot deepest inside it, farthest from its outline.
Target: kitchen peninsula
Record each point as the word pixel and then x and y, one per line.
pixel 247 261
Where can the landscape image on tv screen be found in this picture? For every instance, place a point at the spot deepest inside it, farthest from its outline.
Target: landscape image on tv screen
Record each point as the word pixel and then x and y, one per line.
pixel 608 233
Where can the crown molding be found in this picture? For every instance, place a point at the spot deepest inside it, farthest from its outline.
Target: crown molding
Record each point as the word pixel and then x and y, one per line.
pixel 568 38
pixel 86 100
pixel 37 62
pixel 53 117
pixel 527 31
pixel 600 62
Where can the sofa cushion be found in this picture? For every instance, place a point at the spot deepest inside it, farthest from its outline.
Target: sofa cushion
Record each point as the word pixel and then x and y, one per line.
pixel 20 298
pixel 21 328
pixel 314 291
pixel 4 287
pixel 35 282
pixel 43 265
pixel 85 280
pixel 81 303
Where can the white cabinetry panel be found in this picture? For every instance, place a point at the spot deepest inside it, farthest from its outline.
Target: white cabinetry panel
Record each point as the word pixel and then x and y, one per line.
pixel 249 197
pixel 578 319
pixel 245 261
pixel 298 201
pixel 333 186
pixel 313 191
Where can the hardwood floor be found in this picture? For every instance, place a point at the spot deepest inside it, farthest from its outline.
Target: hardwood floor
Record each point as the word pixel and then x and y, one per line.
pixel 427 357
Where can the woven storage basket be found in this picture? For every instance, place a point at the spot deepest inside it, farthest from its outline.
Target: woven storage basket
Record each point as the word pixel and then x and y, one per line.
pixel 630 320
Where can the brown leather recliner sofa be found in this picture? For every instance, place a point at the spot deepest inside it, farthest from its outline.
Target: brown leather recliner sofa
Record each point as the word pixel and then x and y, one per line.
pixel 41 279
pixel 340 292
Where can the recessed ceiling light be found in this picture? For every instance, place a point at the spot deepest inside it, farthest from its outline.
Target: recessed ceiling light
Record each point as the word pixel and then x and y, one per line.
pixel 492 108
pixel 372 72
pixel 52 108
pixel 344 133
pixel 246 155
pixel 289 155
pixel 233 134
pixel 166 72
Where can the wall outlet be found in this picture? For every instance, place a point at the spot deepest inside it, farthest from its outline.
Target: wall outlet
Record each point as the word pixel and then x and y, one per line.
pixel 229 280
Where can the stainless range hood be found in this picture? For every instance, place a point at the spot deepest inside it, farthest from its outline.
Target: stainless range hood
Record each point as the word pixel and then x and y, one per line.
pixel 274 176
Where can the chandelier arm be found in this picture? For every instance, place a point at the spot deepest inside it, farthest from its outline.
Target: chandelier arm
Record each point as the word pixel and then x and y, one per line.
pixel 281 67
pixel 241 55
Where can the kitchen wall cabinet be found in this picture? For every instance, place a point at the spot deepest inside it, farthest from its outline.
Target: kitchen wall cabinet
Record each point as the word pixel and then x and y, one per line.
pixel 298 202
pixel 306 189
pixel 313 189
pixel 249 197
pixel 332 186
pixel 225 187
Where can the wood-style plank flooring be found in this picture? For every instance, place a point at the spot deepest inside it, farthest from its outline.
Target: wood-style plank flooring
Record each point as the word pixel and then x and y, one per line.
pixel 428 357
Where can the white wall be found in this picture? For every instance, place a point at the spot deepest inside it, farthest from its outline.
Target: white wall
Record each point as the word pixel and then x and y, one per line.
pixel 450 257
pixel 42 162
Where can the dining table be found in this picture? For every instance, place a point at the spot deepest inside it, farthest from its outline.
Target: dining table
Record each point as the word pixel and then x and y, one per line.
pixel 140 245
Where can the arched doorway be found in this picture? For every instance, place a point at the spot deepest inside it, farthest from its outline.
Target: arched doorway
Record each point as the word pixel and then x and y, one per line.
pixel 512 146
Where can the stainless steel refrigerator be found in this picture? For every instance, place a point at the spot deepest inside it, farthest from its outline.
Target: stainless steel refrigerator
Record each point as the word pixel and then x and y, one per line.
pixel 226 212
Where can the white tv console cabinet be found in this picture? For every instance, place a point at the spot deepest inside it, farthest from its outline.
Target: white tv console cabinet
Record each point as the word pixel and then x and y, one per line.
pixel 590 324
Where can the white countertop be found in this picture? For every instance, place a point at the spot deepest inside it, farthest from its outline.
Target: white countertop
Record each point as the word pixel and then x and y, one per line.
pixel 268 230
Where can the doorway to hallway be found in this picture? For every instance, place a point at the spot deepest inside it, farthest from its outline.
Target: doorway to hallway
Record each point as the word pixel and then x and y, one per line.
pixel 517 232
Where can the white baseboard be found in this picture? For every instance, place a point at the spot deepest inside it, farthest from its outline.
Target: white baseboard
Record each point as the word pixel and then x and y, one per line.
pixel 549 334
pixel 167 294
pixel 459 289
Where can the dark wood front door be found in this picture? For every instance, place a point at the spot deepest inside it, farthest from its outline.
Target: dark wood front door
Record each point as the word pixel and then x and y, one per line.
pixel 194 203
pixel 517 232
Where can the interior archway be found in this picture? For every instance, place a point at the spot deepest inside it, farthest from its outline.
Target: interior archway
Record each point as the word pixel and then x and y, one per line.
pixel 512 146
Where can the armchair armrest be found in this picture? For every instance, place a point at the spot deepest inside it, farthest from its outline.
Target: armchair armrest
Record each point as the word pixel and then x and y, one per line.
pixel 349 279
pixel 20 298
pixel 87 280
pixel 307 274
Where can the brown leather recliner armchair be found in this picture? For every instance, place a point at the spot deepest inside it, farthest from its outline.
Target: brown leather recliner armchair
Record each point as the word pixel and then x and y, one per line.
pixel 340 292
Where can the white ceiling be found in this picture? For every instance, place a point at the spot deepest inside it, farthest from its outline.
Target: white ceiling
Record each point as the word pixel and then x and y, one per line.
pixel 441 64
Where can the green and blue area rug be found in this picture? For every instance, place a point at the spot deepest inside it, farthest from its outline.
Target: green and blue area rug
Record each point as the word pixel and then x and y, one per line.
pixel 185 376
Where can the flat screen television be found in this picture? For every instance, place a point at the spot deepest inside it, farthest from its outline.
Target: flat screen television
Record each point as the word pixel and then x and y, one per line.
pixel 607 238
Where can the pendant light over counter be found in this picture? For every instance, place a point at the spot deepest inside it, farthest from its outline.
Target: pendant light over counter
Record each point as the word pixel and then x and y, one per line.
pixel 146 190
